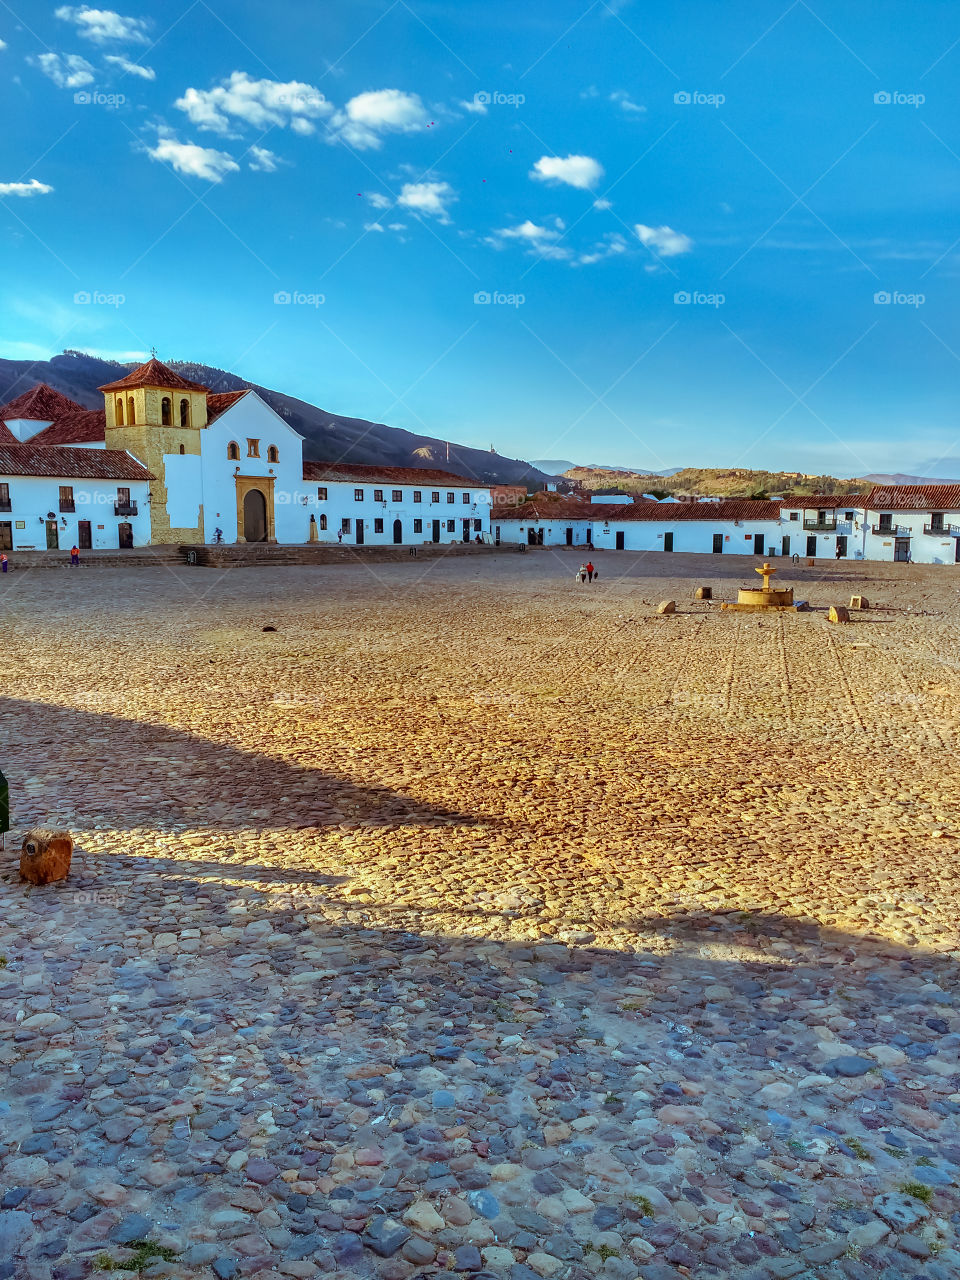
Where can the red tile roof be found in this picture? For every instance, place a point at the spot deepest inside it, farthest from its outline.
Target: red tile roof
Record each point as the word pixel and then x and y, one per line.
pixel 822 501
pixel 663 512
pixel 153 374
pixel 71 464
pixel 913 497
pixel 220 401
pixel 42 403
pixel 82 426
pixel 369 474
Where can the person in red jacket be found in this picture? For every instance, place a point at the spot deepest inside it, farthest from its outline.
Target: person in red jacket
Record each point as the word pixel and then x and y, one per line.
pixel 590 571
pixel 74 555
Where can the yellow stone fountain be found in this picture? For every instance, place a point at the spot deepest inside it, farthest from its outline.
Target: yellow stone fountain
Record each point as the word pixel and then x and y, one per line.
pixel 750 599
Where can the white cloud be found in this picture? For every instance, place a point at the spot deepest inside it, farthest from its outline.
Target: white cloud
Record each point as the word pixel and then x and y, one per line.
pixel 428 197
pixel 397 226
pixel 374 226
pixel 610 247
pixel 626 103
pixel 260 103
pixel 576 171
pixel 192 160
pixel 131 68
pixel 31 188
pixel 379 200
pixel 474 105
pixel 369 115
pixel 601 203
pixel 263 160
pixel 101 25
pixel 663 240
pixel 67 71
pixel 3 44
pixel 540 241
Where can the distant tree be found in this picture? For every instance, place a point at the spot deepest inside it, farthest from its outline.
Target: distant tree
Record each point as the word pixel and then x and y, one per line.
pixel 760 495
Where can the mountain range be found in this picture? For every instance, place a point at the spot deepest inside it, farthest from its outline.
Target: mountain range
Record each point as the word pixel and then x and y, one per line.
pixel 327 436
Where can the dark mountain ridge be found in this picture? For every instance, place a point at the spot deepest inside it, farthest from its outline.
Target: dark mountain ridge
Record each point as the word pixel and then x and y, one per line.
pixel 328 437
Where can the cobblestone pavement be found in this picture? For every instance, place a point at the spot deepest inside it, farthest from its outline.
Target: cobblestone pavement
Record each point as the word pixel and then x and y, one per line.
pixel 475 921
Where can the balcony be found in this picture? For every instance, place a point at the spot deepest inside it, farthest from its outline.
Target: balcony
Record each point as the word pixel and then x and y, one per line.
pixel 67 504
pixel 890 531
pixel 124 508
pixel 943 531
pixel 6 504
pixel 820 526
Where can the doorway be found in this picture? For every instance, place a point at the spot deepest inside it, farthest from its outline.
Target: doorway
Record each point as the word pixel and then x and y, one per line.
pixel 436 531
pixel 6 536
pixel 498 537
pixel 125 535
pixel 785 545
pixel 758 544
pixel 84 538
pixel 717 544
pixel 53 535
pixel 841 545
pixel 901 549
pixel 569 537
pixel 254 516
pixel 359 533
pixel 619 540
pixel 812 545
pixel 398 530
pixel 668 542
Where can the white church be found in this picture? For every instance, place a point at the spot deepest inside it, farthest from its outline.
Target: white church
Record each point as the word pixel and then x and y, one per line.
pixel 167 461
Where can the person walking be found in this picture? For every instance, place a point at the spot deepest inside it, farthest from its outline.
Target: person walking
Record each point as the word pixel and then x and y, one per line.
pixel 582 573
pixel 339 535
pixel 74 555
pixel 839 551
pixel 3 564
pixel 590 571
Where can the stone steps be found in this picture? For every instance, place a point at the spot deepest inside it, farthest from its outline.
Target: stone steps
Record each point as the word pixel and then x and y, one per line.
pixel 249 555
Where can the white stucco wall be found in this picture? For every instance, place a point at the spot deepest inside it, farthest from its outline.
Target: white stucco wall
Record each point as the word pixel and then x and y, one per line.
pixel 31 497
pixel 341 504
pixel 184 489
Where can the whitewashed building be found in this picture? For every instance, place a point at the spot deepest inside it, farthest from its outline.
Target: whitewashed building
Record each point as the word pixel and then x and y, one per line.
pixel 363 504
pixel 56 498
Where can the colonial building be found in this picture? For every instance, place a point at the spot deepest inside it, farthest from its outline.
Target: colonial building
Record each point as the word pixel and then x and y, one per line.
pixel 56 497
pixel 224 465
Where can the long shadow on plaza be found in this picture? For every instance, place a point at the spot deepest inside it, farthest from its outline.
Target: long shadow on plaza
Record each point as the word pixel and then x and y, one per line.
pixel 513 1036
pixel 104 769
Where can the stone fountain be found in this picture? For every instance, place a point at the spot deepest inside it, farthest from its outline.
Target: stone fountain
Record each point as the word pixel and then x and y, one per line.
pixel 750 599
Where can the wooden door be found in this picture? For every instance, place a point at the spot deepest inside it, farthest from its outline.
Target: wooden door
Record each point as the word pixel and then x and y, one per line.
pixel 398 530
pixel 125 535
pixel 84 537
pixel 53 535
pixel 668 542
pixel 717 543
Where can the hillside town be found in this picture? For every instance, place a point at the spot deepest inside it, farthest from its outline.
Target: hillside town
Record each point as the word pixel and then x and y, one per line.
pixel 166 461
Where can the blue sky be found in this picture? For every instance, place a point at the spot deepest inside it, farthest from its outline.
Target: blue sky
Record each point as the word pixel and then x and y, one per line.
pixel 686 218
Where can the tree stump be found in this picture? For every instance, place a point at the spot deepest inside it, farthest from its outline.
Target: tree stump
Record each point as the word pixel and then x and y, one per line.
pixel 45 855
pixel 667 606
pixel 703 593
pixel 858 602
pixel 838 614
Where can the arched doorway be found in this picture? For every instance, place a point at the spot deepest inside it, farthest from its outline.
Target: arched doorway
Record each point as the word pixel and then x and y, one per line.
pixel 254 516
pixel 398 530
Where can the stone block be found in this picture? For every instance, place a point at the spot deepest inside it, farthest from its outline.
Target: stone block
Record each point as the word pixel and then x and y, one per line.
pixel 703 593
pixel 838 614
pixel 667 606
pixel 858 602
